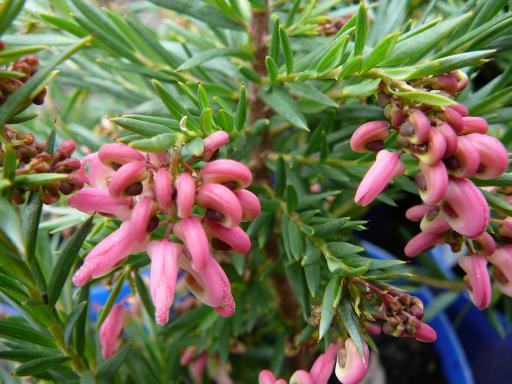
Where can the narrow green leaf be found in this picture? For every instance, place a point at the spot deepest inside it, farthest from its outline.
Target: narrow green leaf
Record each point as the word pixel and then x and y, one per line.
pixel 312 272
pixel 291 198
pixel 17 330
pixel 249 74
pixel 439 304
pixel 332 58
pixel 22 355
pixel 158 143
pixel 10 226
pixel 309 92
pixel 332 296
pixel 194 147
pixel 111 299
pixel 427 98
pixel 504 180
pixel 140 127
pixel 81 322
pixel 9 55
pixel 206 121
pixel 351 67
pixel 241 109
pixel 380 52
pixel 275 41
pixel 287 49
pixel 296 239
pixel 361 28
pixel 72 321
pixel 8 12
pixel 272 70
pixel 283 104
pixel 41 365
pixel 280 182
pixel 37 179
pixel 210 54
pixel 144 296
pixel 497 203
pixel 67 257
pixel 351 322
pixel 202 96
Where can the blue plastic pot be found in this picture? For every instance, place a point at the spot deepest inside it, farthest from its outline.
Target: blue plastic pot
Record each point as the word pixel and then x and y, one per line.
pixel 453 359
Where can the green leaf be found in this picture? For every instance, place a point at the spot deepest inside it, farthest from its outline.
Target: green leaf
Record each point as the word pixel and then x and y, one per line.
pixel 202 96
pixel 141 127
pixel 504 180
pixel 10 226
pixel 201 11
pixel 22 355
pixel 309 92
pixel 341 249
pixel 287 49
pixel 41 365
pixel 332 296
pixel 283 104
pixel 206 121
pixel 426 97
pixel 297 282
pixel 296 240
pixel 111 299
pixel 291 198
pixel 67 257
pixel 20 99
pixel 439 304
pixel 332 58
pixel 380 52
pixel 158 143
pixel 210 54
pixel 194 147
pixel 361 28
pixel 312 272
pixel 241 109
pixel 351 323
pixel 72 321
pixel 351 67
pixel 8 12
pixel 272 70
pixel 17 330
pixel 415 48
pixel 9 55
pixel 143 293
pixel 173 105
pixel 37 179
pixel 280 182
pixel 497 203
pixel 275 40
pixel 81 322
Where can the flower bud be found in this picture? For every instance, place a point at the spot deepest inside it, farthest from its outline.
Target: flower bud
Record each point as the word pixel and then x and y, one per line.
pixel 369 136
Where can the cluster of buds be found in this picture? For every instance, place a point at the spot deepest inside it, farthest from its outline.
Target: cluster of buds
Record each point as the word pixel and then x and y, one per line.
pixel 201 208
pixel 33 159
pixel 399 313
pixel 344 358
pixel 450 147
pixel 27 66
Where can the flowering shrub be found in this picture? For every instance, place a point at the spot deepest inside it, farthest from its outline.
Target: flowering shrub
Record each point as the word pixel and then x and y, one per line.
pixel 176 153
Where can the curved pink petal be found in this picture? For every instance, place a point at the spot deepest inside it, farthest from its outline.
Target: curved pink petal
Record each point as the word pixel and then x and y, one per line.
pixel 387 166
pixel 465 161
pixel 97 174
pixel 450 138
pixel 393 111
pixel 225 171
pixel 107 255
pixel 234 238
pixel 465 208
pixel 186 194
pixel 221 203
pixel 250 204
pixel 425 333
pixel 461 108
pixel 421 242
pixel 350 366
pixel 493 156
pixel 323 366
pixel 162 279
pixel 454 119
pixel 416 212
pixel 477 280
pixel 266 377
pixel 502 261
pixel 111 330
pixel 127 176
pixel 212 143
pixel 92 200
pixel 369 136
pixel 142 213
pixel 163 189
pixel 434 223
pixel 192 233
pixel 435 180
pixel 474 124
pixel 416 127
pixel 485 245
pixel 116 154
pixel 433 151
pixel 301 377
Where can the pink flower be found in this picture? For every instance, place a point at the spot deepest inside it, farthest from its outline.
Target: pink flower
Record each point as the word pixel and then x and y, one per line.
pixel 416 212
pixel 229 172
pixel 421 242
pixel 163 189
pixel 484 245
pixel 450 138
pixel 92 200
pixel 465 161
pixel 111 330
pixel 140 221
pixel 433 182
pixel 210 285
pixel 192 233
pixel 502 261
pixel 434 223
pixel 127 180
pixel 186 190
pixel 323 366
pixel 231 238
pixel 97 173
pixel 116 154
pixel 108 254
pixel 453 117
pixel 465 208
pixel 477 280
pixel 433 151
pixel 266 377
pixel 473 124
pixel 416 128
pixel 221 203
pixel 350 366
pixel 250 204
pixel 301 377
pixel 369 136
pixel 493 156
pixel 386 166
pixel 424 332
pixel 212 143
pixel 164 271
pixel 461 108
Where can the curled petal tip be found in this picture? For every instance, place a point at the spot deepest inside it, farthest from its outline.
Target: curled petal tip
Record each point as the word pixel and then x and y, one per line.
pixel 127 179
pixel 477 280
pixel 186 192
pixel 213 142
pixel 222 204
pixel 225 171
pixel 250 204
pixel 421 242
pixel 492 154
pixel 116 154
pixel 473 124
pixel 350 366
pixel 163 189
pixel 416 212
pixel 234 238
pixel 365 137
pixel 193 235
pixel 425 333
pixel 433 182
pixel 266 377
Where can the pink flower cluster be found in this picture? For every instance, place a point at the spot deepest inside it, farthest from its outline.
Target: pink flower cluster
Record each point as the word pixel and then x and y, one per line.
pixel 450 147
pixel 351 367
pixel 195 204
